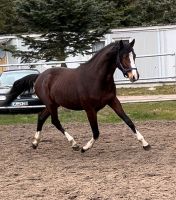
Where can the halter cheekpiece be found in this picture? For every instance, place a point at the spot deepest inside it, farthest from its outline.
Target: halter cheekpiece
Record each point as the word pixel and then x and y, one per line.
pixel 125 71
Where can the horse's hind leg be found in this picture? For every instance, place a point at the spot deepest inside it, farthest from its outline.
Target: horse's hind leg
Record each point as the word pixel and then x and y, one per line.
pixel 55 121
pixel 116 106
pixel 42 116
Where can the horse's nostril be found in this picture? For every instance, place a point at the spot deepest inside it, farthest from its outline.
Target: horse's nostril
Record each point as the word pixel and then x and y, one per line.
pixel 133 78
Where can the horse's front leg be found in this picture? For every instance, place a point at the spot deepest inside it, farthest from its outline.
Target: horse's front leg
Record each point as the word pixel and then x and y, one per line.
pixel 117 107
pixel 92 117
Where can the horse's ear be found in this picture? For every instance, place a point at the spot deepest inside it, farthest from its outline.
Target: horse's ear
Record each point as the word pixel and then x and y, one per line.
pixel 132 43
pixel 121 45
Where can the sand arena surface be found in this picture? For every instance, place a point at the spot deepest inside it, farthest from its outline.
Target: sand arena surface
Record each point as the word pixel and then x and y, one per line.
pixel 115 168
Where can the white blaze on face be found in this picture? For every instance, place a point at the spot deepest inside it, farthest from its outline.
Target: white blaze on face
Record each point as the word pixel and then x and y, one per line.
pixel 132 60
pixel 134 71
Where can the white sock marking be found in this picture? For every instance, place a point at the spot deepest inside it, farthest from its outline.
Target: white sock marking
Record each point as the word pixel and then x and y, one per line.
pixel 141 139
pixel 89 144
pixel 36 138
pixel 70 139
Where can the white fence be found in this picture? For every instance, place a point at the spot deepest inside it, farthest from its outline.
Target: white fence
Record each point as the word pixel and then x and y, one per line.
pixel 160 68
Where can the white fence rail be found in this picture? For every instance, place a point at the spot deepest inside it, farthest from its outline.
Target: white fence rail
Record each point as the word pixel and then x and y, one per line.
pixel 118 80
pixel 156 55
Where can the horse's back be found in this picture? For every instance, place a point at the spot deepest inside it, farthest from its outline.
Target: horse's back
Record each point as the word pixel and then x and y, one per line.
pixel 57 74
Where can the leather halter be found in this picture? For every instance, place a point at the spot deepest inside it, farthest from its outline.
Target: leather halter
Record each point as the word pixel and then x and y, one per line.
pixel 125 71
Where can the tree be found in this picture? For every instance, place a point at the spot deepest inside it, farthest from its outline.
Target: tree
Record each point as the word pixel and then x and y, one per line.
pixel 157 12
pixel 65 27
pixel 69 27
pixel 9 23
pixel 146 13
pixel 6 14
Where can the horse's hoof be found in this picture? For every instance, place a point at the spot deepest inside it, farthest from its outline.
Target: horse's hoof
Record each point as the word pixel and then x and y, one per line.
pixel 82 150
pixel 34 146
pixel 76 148
pixel 147 148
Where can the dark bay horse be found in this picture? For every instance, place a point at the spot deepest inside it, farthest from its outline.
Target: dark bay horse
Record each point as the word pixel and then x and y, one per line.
pixel 89 87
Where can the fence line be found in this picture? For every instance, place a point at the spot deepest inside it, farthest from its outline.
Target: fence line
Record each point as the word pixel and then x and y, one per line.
pixel 41 63
pixel 80 61
pixel 119 81
pixel 156 55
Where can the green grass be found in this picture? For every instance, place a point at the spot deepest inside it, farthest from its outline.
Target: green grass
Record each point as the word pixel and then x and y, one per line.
pixel 17 119
pixel 136 111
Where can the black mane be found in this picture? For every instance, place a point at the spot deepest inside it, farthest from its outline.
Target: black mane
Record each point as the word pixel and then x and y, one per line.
pixel 107 49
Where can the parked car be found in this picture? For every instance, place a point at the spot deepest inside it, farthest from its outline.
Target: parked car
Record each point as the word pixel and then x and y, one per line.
pixel 27 102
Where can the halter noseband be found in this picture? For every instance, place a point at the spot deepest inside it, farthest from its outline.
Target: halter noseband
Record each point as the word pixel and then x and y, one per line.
pixel 125 71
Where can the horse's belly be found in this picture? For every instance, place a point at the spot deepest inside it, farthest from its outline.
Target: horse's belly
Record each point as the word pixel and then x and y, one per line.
pixel 72 106
pixel 70 102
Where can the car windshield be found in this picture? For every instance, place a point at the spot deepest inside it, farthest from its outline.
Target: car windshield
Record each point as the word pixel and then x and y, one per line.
pixel 9 77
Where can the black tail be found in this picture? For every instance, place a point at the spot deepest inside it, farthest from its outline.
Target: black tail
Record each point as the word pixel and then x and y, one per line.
pixel 19 86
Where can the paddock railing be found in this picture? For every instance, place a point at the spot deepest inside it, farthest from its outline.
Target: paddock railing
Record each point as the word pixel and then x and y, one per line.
pixel 158 71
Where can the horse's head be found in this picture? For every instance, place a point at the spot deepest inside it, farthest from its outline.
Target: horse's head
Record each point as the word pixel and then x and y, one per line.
pixel 126 60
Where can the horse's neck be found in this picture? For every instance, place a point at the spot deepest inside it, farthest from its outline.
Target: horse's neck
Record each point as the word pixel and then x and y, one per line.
pixel 102 70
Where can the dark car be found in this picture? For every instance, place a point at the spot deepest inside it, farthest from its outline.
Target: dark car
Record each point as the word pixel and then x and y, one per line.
pixel 27 102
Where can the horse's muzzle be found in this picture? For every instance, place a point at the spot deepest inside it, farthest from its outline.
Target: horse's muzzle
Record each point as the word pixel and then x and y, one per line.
pixel 133 75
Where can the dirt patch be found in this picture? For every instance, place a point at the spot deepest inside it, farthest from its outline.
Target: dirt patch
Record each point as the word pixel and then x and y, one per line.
pixel 115 168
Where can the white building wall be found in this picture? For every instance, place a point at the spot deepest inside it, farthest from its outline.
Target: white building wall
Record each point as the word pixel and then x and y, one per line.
pixel 149 41
pixel 168 43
